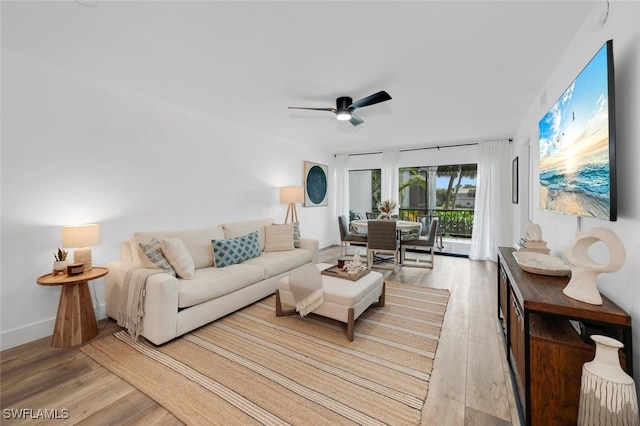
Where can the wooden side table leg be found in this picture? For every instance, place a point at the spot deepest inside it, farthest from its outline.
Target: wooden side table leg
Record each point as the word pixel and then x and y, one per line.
pixel 75 322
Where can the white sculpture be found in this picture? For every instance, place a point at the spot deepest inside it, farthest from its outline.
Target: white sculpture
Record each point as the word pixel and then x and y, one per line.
pixel 534 232
pixel 355 266
pixel 584 270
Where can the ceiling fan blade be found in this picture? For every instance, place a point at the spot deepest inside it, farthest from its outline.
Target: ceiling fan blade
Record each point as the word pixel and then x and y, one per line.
pixel 315 109
pixel 381 96
pixel 355 120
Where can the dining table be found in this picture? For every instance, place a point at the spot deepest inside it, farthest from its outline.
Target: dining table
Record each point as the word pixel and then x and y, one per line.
pixel 404 226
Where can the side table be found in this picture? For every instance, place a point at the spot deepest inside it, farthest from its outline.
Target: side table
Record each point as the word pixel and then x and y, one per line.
pixel 75 321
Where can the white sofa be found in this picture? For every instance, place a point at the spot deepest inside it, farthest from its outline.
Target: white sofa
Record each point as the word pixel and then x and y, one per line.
pixel 174 306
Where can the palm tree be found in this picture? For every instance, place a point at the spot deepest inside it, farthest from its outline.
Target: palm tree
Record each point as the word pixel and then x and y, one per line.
pixel 376 188
pixel 468 171
pixel 415 179
pixel 451 172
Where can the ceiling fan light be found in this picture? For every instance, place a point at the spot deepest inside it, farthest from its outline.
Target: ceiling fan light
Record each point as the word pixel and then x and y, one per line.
pixel 343 115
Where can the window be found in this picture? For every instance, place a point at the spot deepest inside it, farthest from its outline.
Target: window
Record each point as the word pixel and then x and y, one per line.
pixel 445 191
pixel 364 193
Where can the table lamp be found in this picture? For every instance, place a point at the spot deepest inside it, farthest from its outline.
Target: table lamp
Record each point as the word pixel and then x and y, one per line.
pixel 80 237
pixel 291 195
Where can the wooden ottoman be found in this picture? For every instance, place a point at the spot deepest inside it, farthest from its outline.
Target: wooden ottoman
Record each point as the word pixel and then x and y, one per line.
pixel 344 300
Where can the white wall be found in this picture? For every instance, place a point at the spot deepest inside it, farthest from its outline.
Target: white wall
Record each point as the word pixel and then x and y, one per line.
pixel 76 150
pixel 559 231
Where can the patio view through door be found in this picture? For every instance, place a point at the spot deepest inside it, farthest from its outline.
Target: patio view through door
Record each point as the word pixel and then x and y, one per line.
pixel 447 192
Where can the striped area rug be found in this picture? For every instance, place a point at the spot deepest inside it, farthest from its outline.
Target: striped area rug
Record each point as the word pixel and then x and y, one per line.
pixel 252 367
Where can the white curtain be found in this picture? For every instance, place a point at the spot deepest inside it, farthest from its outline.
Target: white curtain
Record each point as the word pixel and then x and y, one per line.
pixel 492 215
pixel 342 190
pixel 389 176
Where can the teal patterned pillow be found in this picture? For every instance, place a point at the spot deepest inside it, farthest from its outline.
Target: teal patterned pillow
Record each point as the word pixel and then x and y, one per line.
pixel 235 250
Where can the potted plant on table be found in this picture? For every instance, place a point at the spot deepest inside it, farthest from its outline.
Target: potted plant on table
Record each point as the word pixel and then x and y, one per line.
pixel 386 208
pixel 60 265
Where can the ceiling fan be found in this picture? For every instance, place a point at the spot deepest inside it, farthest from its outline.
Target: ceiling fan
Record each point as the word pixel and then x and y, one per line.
pixel 345 107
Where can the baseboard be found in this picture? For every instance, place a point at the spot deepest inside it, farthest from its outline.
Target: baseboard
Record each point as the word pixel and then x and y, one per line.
pixel 101 311
pixel 28 333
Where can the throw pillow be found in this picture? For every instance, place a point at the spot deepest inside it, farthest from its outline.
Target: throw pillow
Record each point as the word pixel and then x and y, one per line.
pixel 179 257
pixel 235 250
pixel 296 234
pixel 153 250
pixel 279 237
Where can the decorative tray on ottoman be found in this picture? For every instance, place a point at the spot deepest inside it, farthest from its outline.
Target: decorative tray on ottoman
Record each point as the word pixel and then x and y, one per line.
pixel 334 271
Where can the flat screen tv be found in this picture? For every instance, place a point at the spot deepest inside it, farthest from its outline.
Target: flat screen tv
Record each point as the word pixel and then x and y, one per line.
pixel 577 144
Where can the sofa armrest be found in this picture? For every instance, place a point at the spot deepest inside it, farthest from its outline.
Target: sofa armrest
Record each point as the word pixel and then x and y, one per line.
pixel 313 246
pixel 160 302
pixel 160 321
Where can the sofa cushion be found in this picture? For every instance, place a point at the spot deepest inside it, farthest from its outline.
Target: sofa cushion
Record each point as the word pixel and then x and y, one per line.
pixel 179 257
pixel 235 250
pixel 155 259
pixel 279 237
pixel 197 241
pixel 210 283
pixel 237 229
pixel 277 262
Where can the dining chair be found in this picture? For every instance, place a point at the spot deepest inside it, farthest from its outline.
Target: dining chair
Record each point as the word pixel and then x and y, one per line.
pixel 424 242
pixel 347 237
pixel 424 219
pixel 382 238
pixel 371 215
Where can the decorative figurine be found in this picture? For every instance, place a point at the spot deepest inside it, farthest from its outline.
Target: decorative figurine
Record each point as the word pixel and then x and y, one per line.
pixel 585 270
pixel 355 266
pixel 534 232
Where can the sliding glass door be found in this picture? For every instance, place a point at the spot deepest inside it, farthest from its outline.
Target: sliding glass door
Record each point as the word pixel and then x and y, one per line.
pixel 447 192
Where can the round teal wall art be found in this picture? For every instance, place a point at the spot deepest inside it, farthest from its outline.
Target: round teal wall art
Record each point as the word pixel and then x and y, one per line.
pixel 315 184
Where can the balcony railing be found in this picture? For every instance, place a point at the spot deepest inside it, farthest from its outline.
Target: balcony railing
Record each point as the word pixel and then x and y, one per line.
pixel 457 223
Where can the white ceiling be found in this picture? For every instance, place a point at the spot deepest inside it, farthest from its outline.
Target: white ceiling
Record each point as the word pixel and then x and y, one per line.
pixel 457 71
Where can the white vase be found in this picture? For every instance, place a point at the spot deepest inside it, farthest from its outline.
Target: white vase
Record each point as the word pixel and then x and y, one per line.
pixel 60 266
pixel 384 216
pixel 607 394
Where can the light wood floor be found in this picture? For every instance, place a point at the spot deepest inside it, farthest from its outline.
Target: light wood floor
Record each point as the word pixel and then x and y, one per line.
pixel 470 384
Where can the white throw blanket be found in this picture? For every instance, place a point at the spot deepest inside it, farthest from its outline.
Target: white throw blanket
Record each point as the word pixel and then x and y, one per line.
pixel 305 284
pixel 132 301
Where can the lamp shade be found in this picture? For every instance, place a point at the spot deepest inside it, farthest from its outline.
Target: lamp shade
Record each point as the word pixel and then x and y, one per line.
pixel 80 235
pixel 291 194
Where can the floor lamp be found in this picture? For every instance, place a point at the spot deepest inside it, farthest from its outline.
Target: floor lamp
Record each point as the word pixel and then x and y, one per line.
pixel 291 195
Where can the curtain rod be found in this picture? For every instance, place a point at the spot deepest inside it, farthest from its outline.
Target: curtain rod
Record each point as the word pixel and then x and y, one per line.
pixel 438 147
pixel 420 149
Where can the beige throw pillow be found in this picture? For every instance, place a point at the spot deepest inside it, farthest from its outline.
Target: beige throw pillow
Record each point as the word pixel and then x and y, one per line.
pixel 279 237
pixel 155 258
pixel 179 257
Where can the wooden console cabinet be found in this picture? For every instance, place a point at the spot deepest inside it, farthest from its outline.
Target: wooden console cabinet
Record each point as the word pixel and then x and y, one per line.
pixel 544 351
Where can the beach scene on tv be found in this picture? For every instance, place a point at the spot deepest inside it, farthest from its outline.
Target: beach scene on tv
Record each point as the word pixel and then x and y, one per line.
pixel 574 146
